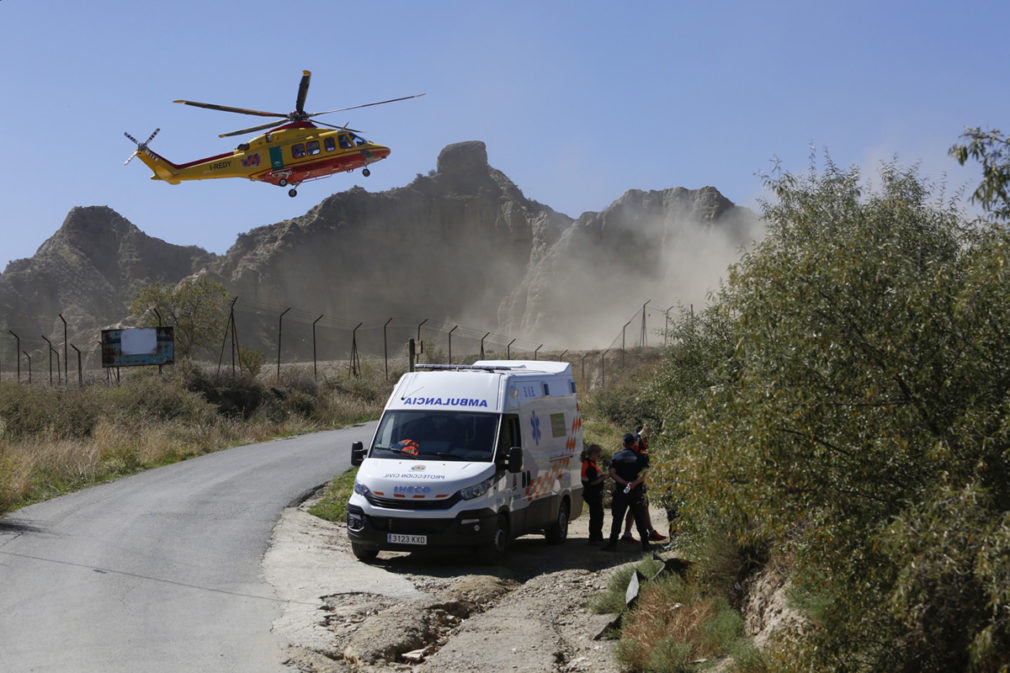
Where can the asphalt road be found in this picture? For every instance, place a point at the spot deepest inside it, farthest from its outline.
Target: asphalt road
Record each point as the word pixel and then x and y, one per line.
pixel 160 571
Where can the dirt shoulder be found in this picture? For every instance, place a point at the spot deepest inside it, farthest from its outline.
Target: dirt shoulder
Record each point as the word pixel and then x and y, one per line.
pixel 431 611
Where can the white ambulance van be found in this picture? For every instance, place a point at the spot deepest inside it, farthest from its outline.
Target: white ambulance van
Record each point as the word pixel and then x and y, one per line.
pixel 470 456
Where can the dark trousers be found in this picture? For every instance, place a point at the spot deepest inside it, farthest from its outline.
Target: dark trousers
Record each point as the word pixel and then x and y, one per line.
pixel 594 500
pixel 635 501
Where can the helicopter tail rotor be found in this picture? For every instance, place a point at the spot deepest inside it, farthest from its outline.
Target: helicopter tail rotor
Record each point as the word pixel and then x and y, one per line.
pixel 141 146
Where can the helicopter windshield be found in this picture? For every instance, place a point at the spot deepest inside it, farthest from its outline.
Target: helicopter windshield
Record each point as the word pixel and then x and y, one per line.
pixel 358 140
pixel 433 435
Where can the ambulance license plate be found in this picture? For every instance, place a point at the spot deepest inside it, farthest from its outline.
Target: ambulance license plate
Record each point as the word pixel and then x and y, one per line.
pixel 399 538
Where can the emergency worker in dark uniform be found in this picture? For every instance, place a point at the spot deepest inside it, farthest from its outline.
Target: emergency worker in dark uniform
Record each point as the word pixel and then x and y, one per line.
pixel 627 469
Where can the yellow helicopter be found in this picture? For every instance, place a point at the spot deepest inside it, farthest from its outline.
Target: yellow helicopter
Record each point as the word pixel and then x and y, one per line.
pixel 292 151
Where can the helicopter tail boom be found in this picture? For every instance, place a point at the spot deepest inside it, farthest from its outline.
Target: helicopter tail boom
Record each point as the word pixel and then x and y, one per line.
pixel 162 167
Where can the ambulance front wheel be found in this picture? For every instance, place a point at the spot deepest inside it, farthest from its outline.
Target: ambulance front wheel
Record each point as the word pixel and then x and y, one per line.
pixel 494 551
pixel 362 553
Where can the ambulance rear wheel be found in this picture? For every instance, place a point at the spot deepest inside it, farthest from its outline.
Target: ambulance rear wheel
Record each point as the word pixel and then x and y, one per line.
pixel 494 551
pixel 557 532
pixel 362 553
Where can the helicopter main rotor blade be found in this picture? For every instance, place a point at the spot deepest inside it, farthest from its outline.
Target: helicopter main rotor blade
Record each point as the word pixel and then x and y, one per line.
pixel 227 108
pixel 303 90
pixel 249 130
pixel 355 107
pixel 339 128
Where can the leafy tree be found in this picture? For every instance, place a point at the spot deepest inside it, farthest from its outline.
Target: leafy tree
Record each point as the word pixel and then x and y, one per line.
pixel 197 308
pixel 846 400
pixel 992 150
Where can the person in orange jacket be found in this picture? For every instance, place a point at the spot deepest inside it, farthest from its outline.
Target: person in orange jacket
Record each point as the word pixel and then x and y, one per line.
pixel 592 490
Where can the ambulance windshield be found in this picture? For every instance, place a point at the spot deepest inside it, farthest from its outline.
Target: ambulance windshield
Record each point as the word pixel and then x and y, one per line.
pixel 436 435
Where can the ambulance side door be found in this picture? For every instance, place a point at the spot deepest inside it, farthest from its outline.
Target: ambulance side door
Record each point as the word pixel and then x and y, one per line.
pixel 515 483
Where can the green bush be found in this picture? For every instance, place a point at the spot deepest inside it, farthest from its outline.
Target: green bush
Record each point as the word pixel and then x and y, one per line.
pixel 27 411
pixel 236 396
pixel 844 401
pixel 153 398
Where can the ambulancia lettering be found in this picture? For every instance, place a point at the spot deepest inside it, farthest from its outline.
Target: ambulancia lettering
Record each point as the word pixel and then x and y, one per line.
pixel 445 402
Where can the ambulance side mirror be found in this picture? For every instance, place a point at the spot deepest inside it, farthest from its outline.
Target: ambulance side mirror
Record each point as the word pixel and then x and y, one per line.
pixel 357 453
pixel 515 460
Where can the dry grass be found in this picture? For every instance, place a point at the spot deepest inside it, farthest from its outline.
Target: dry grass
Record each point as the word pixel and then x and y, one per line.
pixel 53 441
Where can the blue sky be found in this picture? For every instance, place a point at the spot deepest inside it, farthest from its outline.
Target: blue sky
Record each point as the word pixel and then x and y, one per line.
pixel 577 101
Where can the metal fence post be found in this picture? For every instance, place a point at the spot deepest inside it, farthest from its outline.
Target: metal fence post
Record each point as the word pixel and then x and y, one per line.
pixel 623 329
pixel 315 374
pixel 420 344
pixel 80 370
pixel 644 337
pixel 537 350
pixel 50 358
pixel 666 324
pixel 355 361
pixel 66 359
pixel 17 353
pixel 482 345
pixel 508 349
pixel 280 331
pixel 450 342
pixel 385 348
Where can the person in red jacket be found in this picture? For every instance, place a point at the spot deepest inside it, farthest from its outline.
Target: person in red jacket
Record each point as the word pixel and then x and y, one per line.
pixel 592 490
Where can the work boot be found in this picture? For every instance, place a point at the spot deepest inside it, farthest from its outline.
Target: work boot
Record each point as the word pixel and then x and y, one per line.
pixel 656 536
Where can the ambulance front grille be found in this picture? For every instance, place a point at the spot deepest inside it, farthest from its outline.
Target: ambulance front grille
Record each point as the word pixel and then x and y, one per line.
pixel 413 503
pixel 411 526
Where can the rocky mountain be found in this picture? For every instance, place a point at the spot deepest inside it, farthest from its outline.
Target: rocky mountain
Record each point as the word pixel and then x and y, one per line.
pixel 88 271
pixel 461 244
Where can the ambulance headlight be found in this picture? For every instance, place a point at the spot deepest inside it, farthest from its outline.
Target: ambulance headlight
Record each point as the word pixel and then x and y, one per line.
pixel 477 490
pixel 361 489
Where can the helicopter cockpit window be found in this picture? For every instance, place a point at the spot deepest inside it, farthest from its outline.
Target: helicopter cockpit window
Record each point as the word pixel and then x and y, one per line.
pixel 298 151
pixel 359 141
pixel 330 144
pixel 313 147
pixel 345 141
